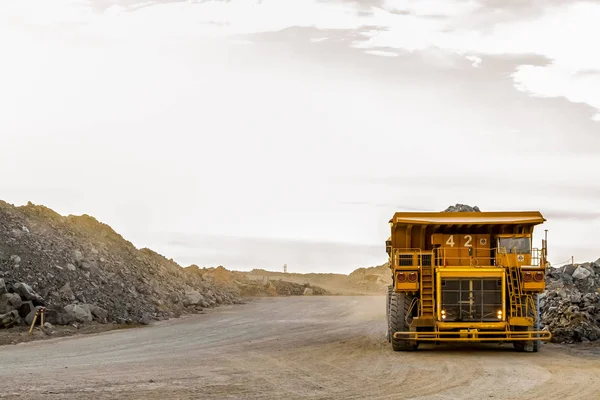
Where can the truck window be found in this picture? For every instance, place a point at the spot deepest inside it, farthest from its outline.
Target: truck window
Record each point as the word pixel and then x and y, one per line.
pixel 521 244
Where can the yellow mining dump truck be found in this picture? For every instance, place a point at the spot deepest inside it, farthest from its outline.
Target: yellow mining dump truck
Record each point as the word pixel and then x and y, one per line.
pixel 465 277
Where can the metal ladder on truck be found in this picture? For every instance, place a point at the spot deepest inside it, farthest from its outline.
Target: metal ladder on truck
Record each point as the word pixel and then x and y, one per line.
pixel 426 263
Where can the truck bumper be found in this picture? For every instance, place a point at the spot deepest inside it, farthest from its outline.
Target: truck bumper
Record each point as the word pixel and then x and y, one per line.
pixel 474 335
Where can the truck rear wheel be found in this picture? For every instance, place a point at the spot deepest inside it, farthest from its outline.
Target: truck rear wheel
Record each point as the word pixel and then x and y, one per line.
pixel 398 312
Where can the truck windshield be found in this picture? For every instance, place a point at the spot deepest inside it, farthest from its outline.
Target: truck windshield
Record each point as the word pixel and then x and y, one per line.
pixel 521 244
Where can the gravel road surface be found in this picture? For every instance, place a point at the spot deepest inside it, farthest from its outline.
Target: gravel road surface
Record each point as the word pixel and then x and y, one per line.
pixel 287 348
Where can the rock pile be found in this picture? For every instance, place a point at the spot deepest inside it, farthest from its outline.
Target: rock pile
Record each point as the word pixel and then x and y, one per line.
pixel 246 285
pixel 462 208
pixel 362 281
pixel 571 303
pixel 372 279
pixel 81 270
pixel 284 288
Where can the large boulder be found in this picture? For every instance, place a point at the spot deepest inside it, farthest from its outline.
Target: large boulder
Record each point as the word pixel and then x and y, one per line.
pixel 10 319
pixel 9 302
pixel 145 319
pixel 29 317
pixel 27 293
pixel 58 315
pixel 66 292
pixel 98 313
pixel 581 273
pixel 78 256
pixel 192 298
pixel 2 287
pixel 79 313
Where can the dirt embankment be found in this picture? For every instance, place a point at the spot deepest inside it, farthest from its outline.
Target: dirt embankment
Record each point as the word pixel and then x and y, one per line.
pixel 362 281
pixel 83 272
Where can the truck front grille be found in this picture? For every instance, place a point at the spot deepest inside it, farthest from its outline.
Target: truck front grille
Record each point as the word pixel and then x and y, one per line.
pixel 471 300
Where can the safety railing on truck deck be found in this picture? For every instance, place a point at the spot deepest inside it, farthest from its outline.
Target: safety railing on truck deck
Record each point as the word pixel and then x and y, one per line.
pixel 486 258
pixel 536 257
pixel 445 257
pixel 512 259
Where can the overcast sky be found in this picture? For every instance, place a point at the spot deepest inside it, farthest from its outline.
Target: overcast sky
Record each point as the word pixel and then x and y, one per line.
pixel 256 133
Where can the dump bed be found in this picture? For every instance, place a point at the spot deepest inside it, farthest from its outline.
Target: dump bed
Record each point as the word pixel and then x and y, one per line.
pixel 418 230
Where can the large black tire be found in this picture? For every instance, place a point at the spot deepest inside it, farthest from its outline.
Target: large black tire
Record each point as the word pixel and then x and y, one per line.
pixel 387 313
pixel 529 346
pixel 398 310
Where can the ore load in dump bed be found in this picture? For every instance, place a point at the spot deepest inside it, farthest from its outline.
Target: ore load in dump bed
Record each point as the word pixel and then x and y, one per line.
pixel 81 270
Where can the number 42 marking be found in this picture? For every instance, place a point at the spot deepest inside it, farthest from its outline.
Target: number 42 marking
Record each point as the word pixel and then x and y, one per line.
pixel 468 238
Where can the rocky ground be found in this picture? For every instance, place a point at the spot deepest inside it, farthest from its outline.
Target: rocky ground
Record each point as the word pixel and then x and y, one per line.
pixel 81 271
pixel 571 303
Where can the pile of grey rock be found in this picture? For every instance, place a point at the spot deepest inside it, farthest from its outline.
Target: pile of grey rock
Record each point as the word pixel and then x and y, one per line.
pixel 19 304
pixel 570 305
pixel 462 208
pixel 81 270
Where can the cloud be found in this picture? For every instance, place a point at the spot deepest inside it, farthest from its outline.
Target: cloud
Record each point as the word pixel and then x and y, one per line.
pixel 447 8
pixel 473 29
pixel 475 60
pixel 382 53
pixel 556 80
pixel 572 214
pixel 564 48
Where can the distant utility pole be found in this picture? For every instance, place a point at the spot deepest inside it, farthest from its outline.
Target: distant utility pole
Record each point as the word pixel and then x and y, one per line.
pixel 285 268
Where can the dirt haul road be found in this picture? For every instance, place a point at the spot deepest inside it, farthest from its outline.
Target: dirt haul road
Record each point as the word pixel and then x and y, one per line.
pixel 286 348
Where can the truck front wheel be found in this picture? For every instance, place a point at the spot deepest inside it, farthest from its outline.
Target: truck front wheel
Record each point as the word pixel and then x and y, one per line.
pixel 529 346
pixel 387 313
pixel 399 304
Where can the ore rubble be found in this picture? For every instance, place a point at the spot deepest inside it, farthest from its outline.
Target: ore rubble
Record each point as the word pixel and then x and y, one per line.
pixel 570 305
